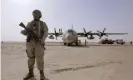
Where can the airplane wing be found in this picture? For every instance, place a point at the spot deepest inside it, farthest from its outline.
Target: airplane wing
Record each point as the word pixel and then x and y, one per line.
pixel 116 33
pixel 55 33
pixel 83 34
pixel 89 33
pixel 102 33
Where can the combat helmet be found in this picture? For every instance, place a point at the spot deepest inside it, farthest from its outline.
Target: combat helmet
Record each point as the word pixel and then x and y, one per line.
pixel 37 12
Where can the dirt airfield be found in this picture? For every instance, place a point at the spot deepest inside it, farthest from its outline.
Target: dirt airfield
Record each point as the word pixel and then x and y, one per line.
pixel 92 62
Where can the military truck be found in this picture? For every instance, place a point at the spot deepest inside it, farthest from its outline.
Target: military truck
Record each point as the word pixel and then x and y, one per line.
pixel 107 41
pixel 120 41
pixel 110 41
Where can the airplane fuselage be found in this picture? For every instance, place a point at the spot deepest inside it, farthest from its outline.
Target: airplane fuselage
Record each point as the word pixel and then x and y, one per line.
pixel 69 37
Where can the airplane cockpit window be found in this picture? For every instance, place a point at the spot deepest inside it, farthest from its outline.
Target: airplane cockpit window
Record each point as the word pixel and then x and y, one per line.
pixel 70 31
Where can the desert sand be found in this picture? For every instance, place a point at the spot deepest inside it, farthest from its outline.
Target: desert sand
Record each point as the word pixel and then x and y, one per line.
pixel 97 62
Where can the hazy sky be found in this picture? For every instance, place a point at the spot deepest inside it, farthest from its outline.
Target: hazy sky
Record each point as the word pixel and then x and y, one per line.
pixel 115 15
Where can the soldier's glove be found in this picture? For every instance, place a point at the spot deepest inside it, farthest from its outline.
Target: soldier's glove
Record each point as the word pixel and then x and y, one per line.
pixel 23 32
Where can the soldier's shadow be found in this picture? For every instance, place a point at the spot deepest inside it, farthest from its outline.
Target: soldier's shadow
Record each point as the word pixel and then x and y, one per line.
pixel 33 78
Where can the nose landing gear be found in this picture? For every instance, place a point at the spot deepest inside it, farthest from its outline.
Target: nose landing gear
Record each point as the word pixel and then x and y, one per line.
pixel 76 43
pixel 64 43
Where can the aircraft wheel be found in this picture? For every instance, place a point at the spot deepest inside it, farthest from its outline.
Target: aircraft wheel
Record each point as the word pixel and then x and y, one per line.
pixel 122 43
pixel 76 43
pixel 69 44
pixel 64 43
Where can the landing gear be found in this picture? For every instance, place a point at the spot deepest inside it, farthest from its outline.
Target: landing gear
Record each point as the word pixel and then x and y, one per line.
pixel 79 42
pixel 85 42
pixel 64 43
pixel 76 43
pixel 69 44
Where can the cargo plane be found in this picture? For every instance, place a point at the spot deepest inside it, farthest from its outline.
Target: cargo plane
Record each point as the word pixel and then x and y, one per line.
pixel 70 36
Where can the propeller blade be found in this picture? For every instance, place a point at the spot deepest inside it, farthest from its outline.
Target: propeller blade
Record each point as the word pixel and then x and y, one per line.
pixel 59 31
pixel 84 30
pixel 104 30
pixel 56 37
pixel 100 37
pixel 87 37
pixel 89 32
pixel 99 31
pixel 55 33
pixel 106 35
pixel 55 30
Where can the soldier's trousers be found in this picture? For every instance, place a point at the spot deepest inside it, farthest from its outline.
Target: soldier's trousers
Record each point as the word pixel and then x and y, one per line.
pixel 35 52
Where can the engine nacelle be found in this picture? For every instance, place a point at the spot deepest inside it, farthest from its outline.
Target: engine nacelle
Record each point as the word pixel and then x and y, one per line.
pixel 91 37
pixel 51 37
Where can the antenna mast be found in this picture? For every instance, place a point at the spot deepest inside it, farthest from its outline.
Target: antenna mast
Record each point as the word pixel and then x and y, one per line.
pixel 72 26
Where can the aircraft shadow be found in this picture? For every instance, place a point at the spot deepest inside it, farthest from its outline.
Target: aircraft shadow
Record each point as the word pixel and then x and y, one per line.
pixel 100 45
pixel 107 45
pixel 80 46
pixel 83 45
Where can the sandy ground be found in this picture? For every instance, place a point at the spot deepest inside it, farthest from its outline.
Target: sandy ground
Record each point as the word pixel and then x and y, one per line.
pixel 71 63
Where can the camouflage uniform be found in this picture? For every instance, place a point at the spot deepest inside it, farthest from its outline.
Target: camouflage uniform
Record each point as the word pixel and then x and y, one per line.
pixel 35 49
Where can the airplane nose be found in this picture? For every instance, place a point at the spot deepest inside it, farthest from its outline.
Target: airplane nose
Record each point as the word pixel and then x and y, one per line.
pixel 69 37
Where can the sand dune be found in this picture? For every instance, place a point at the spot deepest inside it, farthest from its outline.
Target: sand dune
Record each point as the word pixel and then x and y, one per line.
pixel 71 63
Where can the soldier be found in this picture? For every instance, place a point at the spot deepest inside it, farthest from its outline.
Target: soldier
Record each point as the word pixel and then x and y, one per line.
pixel 34 49
pixel 131 42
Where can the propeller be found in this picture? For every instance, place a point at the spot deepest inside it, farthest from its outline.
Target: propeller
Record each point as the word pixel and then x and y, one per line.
pixel 104 30
pixel 86 33
pixel 60 30
pixel 56 35
pixel 102 33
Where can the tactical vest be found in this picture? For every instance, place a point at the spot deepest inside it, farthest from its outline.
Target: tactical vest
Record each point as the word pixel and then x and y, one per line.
pixel 38 28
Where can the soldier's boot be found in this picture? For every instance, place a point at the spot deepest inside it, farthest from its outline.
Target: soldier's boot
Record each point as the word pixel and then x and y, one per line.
pixel 42 77
pixel 29 75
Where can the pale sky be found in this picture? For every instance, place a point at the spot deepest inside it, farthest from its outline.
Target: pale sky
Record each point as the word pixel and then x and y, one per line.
pixel 115 15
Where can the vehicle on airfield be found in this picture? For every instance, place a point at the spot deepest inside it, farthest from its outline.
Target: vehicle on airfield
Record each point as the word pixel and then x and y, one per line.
pixel 120 41
pixel 110 41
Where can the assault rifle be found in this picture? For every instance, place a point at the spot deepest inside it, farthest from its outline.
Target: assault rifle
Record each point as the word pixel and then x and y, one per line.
pixel 30 33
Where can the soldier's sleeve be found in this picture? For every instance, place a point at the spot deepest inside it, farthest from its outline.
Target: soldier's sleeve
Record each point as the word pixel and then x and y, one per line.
pixel 24 31
pixel 45 29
